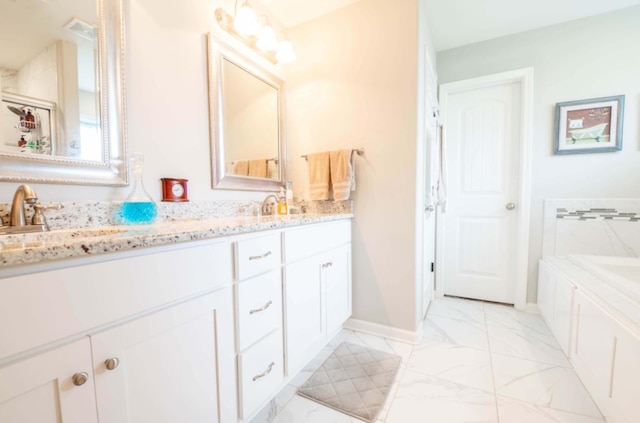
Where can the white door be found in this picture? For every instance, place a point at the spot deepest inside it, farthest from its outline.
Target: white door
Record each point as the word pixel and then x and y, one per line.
pixel 431 171
pixel 429 220
pixel 480 225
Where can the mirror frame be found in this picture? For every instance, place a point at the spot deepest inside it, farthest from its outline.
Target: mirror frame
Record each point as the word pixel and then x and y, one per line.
pixel 112 170
pixel 218 51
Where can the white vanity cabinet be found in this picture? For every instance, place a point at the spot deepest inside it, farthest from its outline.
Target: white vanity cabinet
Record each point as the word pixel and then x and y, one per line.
pixel 43 388
pixel 146 337
pixel 163 368
pixel 317 288
pixel 258 310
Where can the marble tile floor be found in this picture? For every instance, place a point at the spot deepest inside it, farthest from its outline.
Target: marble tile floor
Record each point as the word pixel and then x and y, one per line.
pixel 477 362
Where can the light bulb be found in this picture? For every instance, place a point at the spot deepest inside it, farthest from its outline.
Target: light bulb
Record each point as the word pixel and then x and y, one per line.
pixel 285 52
pixel 246 22
pixel 267 39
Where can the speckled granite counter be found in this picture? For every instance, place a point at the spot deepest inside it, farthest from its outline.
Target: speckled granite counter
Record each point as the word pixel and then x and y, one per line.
pixel 65 243
pixel 24 249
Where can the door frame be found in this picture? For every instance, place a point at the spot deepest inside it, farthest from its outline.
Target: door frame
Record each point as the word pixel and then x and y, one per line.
pixel 525 78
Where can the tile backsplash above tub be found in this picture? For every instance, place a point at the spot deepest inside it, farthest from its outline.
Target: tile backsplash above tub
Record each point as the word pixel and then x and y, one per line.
pixel 602 226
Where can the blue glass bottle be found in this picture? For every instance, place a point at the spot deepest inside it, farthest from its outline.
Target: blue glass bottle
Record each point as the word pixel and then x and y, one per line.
pixel 139 207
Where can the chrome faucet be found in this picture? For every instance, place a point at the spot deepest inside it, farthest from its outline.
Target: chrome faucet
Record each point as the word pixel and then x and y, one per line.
pixel 24 194
pixel 17 217
pixel 269 207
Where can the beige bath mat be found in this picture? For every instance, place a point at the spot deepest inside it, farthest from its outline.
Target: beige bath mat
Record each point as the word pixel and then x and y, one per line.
pixel 354 380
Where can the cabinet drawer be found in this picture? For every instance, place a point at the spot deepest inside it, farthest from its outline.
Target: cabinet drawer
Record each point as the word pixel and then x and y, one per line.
pixel 256 255
pixel 259 307
pixel 59 303
pixel 309 240
pixel 260 373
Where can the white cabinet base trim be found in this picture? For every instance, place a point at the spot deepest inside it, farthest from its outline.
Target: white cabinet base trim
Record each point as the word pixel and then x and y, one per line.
pixel 389 332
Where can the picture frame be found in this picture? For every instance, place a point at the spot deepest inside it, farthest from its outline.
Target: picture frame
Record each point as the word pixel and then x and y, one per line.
pixel 589 126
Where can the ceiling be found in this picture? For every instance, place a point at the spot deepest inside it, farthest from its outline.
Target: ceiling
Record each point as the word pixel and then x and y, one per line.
pixel 454 23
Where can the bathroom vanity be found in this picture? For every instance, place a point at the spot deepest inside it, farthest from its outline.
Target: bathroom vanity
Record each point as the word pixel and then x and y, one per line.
pixel 201 321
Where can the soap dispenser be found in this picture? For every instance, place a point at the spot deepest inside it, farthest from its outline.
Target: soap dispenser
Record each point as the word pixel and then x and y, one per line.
pixel 139 207
pixel 282 202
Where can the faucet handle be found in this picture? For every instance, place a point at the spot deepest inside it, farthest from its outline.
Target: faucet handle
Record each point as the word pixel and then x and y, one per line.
pixel 38 216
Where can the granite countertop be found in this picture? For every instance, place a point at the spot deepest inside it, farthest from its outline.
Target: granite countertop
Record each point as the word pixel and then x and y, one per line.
pixel 16 250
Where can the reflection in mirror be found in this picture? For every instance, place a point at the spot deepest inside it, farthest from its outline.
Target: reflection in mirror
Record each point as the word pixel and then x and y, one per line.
pixel 60 85
pixel 250 115
pixel 247 121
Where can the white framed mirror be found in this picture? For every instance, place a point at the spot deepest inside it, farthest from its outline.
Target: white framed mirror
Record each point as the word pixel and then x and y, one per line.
pixel 62 117
pixel 247 106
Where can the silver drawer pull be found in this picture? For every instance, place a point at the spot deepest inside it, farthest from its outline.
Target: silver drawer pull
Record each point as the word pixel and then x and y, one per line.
pixel 267 254
pixel 328 264
pixel 266 372
pixel 263 308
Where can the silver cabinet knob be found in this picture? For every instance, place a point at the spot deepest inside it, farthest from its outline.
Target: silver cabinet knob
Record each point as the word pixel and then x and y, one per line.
pixel 111 363
pixel 510 206
pixel 80 378
pixel 430 208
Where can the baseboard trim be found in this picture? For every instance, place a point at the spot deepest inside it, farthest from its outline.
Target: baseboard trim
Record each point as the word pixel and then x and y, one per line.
pixel 532 308
pixel 383 331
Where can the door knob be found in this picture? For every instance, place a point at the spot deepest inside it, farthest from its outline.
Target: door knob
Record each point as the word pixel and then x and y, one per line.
pixel 111 363
pixel 510 206
pixel 429 208
pixel 80 379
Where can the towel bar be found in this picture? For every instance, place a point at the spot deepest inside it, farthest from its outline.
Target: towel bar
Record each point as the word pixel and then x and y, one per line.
pixel 358 151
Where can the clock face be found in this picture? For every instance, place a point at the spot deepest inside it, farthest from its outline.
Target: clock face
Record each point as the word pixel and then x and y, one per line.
pixel 177 190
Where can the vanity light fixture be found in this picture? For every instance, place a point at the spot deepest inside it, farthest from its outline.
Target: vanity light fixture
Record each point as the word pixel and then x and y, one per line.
pixel 267 38
pixel 246 28
pixel 285 52
pixel 246 21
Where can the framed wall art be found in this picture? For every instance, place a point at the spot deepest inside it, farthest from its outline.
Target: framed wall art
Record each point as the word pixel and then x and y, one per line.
pixel 589 126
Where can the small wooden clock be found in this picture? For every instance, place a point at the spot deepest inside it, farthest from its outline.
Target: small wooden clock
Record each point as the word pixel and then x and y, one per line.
pixel 174 189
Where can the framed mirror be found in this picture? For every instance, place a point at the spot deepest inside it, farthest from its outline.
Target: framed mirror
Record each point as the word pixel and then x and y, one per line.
pixel 62 99
pixel 247 108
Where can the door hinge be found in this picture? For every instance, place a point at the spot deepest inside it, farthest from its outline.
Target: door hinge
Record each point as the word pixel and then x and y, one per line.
pixel 433 267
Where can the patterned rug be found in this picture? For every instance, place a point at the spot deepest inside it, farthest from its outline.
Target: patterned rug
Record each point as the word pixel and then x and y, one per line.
pixel 354 380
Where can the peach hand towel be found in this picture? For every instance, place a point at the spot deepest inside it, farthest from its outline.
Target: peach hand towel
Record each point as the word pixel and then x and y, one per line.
pixel 319 176
pixel 342 174
pixel 241 168
pixel 258 168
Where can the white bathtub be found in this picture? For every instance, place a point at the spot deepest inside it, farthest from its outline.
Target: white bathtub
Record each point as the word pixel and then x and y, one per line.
pixel 622 273
pixel 592 306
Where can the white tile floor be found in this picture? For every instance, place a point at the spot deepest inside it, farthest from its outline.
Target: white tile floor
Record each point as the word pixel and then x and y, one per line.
pixel 477 362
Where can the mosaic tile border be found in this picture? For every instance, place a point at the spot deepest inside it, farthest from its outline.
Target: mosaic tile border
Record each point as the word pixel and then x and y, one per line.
pixel 595 214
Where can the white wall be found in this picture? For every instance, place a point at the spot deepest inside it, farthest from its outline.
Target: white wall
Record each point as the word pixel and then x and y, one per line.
pixel 593 57
pixel 355 85
pixel 167 103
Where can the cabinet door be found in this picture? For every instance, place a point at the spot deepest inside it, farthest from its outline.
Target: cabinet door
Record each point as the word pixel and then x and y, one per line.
pixel 593 350
pixel 626 376
pixel 42 389
pixel 546 292
pixel 304 314
pixel 563 306
pixel 336 274
pixel 176 365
